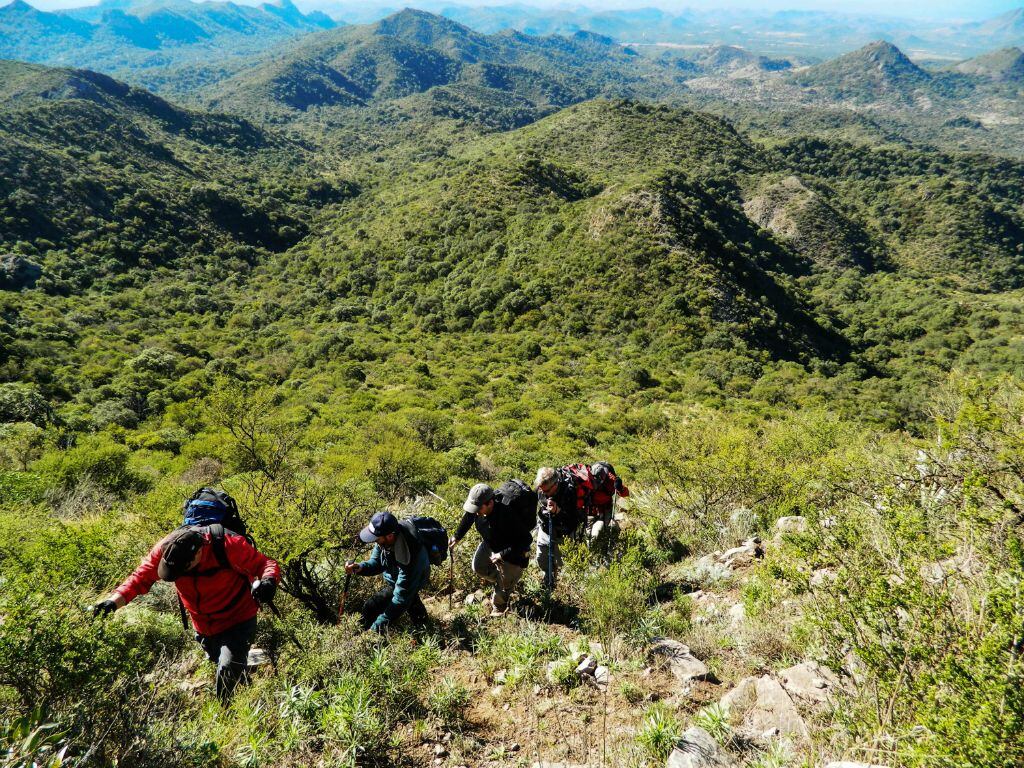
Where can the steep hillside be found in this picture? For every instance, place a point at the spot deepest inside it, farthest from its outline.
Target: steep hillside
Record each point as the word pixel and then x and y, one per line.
pixel 807 220
pixel 99 178
pixel 533 230
pixel 119 37
pixel 414 53
pixel 878 71
pixel 1006 65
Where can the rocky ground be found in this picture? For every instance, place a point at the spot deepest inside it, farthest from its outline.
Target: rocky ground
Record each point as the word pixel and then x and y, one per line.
pixel 740 698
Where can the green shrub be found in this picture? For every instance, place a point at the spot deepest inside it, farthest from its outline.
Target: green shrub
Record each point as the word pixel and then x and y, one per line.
pixel 658 734
pixel 614 600
pixel 448 701
pixel 96 459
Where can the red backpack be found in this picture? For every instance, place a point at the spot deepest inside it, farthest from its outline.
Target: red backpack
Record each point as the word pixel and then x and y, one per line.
pixel 584 482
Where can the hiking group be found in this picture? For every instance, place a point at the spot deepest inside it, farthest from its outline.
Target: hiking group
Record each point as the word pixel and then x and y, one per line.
pixel 222 579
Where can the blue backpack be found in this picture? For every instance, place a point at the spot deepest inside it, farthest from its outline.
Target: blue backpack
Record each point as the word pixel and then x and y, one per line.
pixel 209 506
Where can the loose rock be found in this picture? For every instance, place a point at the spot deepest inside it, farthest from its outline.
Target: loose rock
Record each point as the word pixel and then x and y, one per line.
pixel 684 665
pixel 587 666
pixel 791 524
pixel 810 682
pixel 763 704
pixel 743 555
pixel 697 749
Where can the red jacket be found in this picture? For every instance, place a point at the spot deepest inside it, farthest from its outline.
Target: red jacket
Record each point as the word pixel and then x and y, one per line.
pixel 216 598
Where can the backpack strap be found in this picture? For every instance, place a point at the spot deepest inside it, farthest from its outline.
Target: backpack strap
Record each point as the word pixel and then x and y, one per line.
pixel 217 533
pixel 411 534
pixel 181 612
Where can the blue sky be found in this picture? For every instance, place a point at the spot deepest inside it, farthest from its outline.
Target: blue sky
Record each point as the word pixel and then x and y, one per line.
pixel 927 9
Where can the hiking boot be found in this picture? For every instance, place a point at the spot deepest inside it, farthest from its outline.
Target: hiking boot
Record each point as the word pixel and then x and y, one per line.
pixel 499 610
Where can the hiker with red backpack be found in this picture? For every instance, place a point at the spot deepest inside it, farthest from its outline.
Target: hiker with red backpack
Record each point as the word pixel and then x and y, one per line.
pixel 221 580
pixel 505 519
pixel 604 486
pixel 403 552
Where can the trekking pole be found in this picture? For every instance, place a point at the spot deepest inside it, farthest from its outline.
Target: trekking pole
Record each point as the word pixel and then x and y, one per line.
pixel 344 595
pixel 551 558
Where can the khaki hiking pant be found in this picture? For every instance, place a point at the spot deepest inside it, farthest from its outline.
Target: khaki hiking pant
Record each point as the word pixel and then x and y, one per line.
pixel 503 576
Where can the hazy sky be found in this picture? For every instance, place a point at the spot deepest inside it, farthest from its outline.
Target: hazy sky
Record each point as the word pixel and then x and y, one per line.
pixel 934 9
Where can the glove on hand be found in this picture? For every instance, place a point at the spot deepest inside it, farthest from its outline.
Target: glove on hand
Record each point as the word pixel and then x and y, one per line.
pixel 104 608
pixel 264 590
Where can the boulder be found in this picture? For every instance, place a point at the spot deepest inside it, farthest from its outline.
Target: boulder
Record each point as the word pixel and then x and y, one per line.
pixel 602 676
pixel 587 666
pixel 809 681
pixel 822 578
pixel 743 555
pixel 763 705
pixel 697 749
pixel 17 272
pixel 737 614
pixel 684 665
pixel 791 524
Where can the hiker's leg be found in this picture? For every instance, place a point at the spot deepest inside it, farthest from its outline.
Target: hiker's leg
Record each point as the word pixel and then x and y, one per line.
pixel 508 577
pixel 210 648
pixel 595 525
pixel 418 611
pixel 233 656
pixel 482 565
pixel 375 605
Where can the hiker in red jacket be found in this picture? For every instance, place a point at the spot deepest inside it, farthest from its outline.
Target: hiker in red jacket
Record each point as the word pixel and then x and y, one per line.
pixel 221 579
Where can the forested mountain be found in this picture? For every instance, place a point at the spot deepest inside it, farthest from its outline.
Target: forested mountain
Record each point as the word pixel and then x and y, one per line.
pixel 99 177
pixel 373 266
pixel 1006 65
pixel 506 79
pixel 117 37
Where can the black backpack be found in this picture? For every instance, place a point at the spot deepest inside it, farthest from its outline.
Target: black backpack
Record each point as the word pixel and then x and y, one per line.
pixel 209 506
pixel 521 499
pixel 429 533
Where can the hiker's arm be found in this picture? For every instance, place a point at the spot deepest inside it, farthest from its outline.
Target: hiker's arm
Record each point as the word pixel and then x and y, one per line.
pixel 249 561
pixel 621 489
pixel 468 518
pixel 407 586
pixel 373 566
pixel 140 582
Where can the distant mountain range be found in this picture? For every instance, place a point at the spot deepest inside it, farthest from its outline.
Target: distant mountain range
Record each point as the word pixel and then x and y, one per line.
pixel 120 34
pixel 802 34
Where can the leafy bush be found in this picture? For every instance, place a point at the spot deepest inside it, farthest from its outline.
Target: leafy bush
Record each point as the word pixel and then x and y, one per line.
pixel 96 459
pixel 658 733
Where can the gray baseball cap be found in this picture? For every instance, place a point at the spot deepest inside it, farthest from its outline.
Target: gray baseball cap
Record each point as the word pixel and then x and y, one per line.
pixel 479 495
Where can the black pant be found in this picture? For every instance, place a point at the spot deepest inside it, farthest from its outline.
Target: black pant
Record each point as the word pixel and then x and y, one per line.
pixel 229 650
pixel 377 602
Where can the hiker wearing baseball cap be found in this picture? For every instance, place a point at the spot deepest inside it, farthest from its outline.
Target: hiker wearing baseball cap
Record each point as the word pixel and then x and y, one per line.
pixel 405 565
pixel 221 579
pixel 505 519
